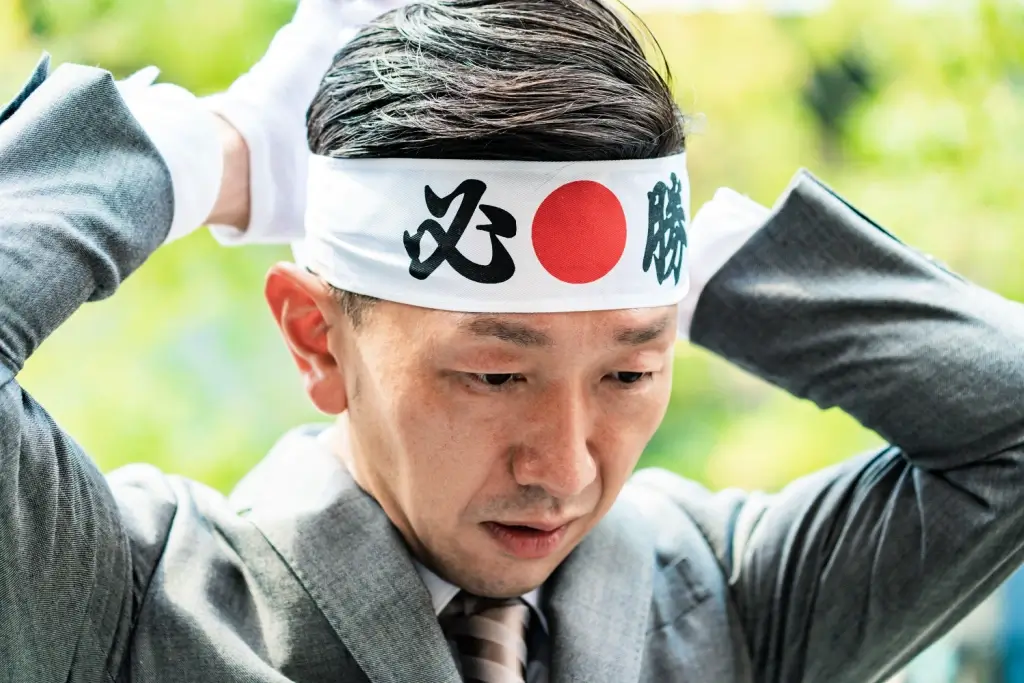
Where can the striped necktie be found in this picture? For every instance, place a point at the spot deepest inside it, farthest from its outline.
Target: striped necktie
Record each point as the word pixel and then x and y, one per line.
pixel 489 637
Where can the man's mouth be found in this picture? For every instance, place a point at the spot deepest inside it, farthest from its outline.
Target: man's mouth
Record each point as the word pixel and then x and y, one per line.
pixel 528 540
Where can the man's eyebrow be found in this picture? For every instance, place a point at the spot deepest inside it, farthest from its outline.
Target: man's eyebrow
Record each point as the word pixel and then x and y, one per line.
pixel 638 336
pixel 506 330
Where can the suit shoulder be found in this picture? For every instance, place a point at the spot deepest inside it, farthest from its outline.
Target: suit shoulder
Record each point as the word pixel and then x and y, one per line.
pixel 686 496
pixel 148 502
pixel 154 506
pixel 670 503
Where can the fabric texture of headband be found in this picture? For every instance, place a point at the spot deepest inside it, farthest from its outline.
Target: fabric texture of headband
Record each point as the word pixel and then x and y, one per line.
pixel 501 236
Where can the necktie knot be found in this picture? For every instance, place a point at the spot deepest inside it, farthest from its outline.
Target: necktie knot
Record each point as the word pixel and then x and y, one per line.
pixel 489 637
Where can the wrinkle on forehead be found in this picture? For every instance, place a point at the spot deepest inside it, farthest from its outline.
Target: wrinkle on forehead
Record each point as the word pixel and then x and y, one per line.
pixel 524 332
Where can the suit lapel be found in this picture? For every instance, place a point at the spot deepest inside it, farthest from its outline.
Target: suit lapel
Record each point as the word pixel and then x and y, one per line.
pixel 349 558
pixel 599 602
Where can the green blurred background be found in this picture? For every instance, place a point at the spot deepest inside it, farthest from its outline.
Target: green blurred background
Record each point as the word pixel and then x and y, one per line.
pixel 912 110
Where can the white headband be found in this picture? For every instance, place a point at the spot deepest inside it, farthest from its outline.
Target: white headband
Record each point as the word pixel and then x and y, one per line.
pixel 501 236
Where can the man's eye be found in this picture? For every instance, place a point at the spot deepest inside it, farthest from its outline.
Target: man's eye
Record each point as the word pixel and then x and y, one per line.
pixel 494 379
pixel 631 377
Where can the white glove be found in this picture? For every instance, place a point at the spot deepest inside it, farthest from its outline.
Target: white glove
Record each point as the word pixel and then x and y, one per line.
pixel 268 107
pixel 718 230
pixel 186 135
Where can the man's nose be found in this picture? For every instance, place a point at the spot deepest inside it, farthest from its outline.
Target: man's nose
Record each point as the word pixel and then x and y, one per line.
pixel 556 454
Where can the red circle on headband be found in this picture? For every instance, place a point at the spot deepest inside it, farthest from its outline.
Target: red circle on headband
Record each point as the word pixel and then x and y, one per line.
pixel 579 232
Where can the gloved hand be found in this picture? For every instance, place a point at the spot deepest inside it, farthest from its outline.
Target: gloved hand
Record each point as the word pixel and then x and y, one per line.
pixel 718 230
pixel 186 135
pixel 268 107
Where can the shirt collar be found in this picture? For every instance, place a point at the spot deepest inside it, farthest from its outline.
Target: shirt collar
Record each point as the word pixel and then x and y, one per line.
pixel 442 592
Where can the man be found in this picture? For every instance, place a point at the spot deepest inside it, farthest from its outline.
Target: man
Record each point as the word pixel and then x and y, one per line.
pixel 468 517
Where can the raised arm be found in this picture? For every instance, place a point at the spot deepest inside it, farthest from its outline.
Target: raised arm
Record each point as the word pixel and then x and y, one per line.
pixel 84 199
pixel 845 574
pixel 93 177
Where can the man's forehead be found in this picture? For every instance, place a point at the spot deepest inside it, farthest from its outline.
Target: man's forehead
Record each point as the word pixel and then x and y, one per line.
pixel 631 327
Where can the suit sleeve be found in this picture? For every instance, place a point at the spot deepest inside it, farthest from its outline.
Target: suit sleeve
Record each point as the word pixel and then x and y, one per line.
pixel 846 574
pixel 84 199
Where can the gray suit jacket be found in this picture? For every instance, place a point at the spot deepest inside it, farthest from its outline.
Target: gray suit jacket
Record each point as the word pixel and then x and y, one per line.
pixel 841 577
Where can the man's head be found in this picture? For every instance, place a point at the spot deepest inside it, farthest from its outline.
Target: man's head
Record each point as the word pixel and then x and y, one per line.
pixel 465 427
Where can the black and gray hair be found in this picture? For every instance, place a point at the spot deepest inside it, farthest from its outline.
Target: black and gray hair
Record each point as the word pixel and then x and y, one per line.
pixel 534 80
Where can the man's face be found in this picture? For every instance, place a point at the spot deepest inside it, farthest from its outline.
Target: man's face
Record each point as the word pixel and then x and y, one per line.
pixel 496 442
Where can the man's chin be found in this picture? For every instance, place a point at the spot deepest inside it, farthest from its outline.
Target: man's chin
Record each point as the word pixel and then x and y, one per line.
pixel 499 576
pixel 508 584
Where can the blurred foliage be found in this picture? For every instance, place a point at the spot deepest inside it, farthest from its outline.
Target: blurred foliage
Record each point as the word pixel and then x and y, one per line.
pixel 913 114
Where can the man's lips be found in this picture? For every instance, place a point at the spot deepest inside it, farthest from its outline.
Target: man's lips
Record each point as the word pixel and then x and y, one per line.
pixel 538 526
pixel 531 540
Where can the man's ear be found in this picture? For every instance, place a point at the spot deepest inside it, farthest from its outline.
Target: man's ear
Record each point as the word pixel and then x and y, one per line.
pixel 301 304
